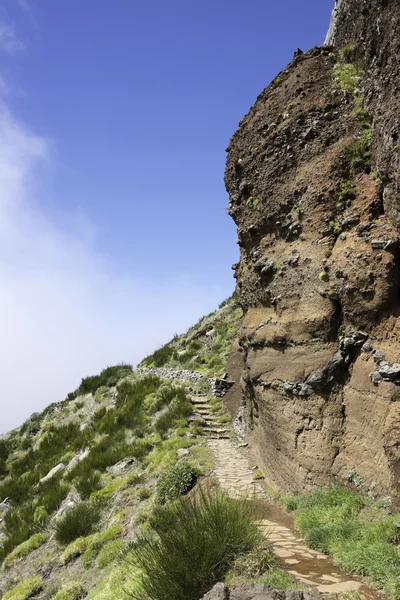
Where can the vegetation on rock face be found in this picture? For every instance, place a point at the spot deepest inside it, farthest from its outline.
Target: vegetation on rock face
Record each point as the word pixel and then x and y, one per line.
pixel 191 544
pixel 361 537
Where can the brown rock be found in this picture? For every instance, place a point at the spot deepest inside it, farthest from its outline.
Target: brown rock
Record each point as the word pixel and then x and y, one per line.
pixel 313 410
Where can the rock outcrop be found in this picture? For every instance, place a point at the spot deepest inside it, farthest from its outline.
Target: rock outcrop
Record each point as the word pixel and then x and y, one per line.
pixel 256 591
pixel 312 174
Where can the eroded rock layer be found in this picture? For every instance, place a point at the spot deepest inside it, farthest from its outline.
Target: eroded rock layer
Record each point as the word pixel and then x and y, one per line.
pixel 318 276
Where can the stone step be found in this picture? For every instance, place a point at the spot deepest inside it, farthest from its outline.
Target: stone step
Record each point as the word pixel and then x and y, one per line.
pixel 215 429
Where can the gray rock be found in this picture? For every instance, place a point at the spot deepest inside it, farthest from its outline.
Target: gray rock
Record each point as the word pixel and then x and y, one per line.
pixel 122 465
pixel 77 459
pixel 219 387
pixel 389 371
pixel 257 591
pixel 53 472
pixel 239 422
pixel 375 377
pixel 219 592
pixel 182 452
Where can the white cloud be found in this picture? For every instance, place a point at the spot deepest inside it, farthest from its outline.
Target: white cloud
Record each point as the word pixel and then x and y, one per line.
pixel 9 42
pixel 64 313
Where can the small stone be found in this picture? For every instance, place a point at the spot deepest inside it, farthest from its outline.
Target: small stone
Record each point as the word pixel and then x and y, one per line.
pixel 182 452
pixel 375 377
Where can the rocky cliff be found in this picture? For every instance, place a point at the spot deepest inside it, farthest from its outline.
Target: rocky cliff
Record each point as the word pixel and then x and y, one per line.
pixel 312 174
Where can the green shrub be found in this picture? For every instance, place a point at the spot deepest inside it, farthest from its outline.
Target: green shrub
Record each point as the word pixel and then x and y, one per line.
pixel 108 377
pixel 347 78
pixel 24 590
pixel 359 153
pixel 323 276
pixel 176 481
pixel 71 591
pixel 191 545
pixel 78 521
pixel 40 515
pixel 161 356
pixel 87 484
pixel 34 542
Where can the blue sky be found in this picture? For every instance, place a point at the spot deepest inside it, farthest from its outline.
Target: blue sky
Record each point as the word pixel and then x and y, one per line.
pixel 114 119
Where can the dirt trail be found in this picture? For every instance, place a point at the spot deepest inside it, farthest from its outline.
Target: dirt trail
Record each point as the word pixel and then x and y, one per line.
pixel 234 475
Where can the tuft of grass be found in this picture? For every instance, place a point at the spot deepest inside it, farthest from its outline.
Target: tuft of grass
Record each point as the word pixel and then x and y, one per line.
pixel 362 538
pixel 144 493
pixel 96 543
pixel 71 591
pixel 24 590
pixel 78 521
pixel 253 564
pixel 109 553
pixel 75 549
pixel 116 485
pixel 34 542
pixel 191 545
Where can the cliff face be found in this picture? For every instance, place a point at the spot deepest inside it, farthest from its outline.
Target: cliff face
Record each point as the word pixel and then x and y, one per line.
pixel 373 28
pixel 313 178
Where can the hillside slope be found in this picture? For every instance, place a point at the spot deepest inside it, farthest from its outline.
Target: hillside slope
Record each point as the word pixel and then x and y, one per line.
pixel 104 451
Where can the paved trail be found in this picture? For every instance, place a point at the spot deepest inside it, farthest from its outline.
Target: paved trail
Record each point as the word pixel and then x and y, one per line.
pixel 232 471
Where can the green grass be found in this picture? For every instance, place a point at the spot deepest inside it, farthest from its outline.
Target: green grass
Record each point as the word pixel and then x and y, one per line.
pixel 116 485
pixel 75 549
pixel 191 544
pixel 97 541
pixel 109 553
pixel 78 521
pixel 71 591
pixel 362 538
pixel 34 542
pixel 24 590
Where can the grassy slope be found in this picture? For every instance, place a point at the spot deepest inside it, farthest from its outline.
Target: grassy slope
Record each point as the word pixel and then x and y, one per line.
pixel 205 347
pixel 112 416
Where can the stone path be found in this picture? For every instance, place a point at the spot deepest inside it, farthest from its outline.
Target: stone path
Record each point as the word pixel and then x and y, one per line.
pixel 307 566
